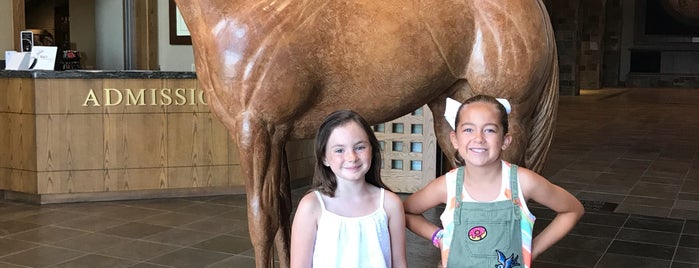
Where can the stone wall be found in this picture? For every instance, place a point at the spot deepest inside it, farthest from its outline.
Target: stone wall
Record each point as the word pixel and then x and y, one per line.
pixel 611 57
pixel 592 20
pixel 565 16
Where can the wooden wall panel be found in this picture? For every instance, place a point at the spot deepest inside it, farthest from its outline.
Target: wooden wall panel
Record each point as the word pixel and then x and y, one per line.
pixel 21 92
pixel 118 87
pixel 194 139
pixel 4 95
pixel 300 149
pixel 78 181
pixel 4 134
pixel 110 181
pixel 4 137
pixel 301 157
pixel 4 141
pixel 135 140
pixel 236 174
pixel 301 168
pixel 23 181
pixel 206 176
pixel 215 176
pixel 5 178
pixel 66 96
pixel 22 141
pixel 185 87
pixel 136 179
pixel 150 87
pixel 69 142
pixel 19 128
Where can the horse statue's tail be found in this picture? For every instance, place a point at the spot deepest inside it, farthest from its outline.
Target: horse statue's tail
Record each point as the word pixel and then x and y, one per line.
pixel 545 110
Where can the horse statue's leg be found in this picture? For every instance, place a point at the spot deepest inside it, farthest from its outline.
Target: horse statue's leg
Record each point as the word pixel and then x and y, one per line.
pixel 283 237
pixel 262 154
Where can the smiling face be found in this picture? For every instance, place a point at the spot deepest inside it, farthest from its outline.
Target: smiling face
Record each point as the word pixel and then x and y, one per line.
pixel 480 136
pixel 348 152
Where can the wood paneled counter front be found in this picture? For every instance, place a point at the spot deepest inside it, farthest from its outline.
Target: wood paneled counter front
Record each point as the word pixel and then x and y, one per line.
pixel 68 136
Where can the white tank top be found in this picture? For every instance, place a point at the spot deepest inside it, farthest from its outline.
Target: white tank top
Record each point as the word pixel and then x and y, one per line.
pixel 352 242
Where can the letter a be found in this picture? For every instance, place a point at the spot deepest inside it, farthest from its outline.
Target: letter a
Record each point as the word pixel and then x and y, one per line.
pixel 91 98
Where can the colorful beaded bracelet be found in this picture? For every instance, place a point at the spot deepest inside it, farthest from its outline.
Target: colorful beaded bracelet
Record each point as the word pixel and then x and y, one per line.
pixel 437 237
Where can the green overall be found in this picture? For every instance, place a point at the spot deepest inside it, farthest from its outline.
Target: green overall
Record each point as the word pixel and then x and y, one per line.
pixel 486 234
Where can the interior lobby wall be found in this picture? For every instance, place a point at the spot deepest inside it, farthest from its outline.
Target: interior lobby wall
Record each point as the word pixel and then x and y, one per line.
pixel 82 31
pixel 171 57
pixel 109 35
pixel 6 26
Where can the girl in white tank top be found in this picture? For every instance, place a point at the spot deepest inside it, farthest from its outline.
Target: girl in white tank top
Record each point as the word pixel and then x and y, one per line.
pixel 348 219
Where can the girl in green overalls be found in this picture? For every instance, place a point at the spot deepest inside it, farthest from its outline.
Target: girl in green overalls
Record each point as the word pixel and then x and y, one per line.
pixel 486 220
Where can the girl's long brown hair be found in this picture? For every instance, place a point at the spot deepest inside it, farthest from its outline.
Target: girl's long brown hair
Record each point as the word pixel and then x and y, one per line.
pixel 324 179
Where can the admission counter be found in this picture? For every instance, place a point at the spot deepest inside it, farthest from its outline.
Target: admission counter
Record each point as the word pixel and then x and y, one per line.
pixel 69 136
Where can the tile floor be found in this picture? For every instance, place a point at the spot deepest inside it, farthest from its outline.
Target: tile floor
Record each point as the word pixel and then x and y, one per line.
pixel 631 155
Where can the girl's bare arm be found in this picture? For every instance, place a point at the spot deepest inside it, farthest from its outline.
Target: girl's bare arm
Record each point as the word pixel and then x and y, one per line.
pixel 303 231
pixel 396 227
pixel 433 194
pixel 568 209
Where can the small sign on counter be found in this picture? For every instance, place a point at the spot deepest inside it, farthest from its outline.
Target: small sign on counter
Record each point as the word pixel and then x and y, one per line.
pixel 40 58
pixel 17 60
pixel 45 57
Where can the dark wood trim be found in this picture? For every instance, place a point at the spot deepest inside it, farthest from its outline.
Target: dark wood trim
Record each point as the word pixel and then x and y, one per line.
pixel 174 38
pixel 120 195
pixel 18 21
pixel 146 33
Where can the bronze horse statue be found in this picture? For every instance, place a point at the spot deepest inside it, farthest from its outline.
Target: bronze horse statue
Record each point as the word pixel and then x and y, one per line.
pixel 272 70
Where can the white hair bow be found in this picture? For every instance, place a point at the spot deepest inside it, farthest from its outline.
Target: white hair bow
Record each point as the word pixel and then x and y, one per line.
pixel 453 105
